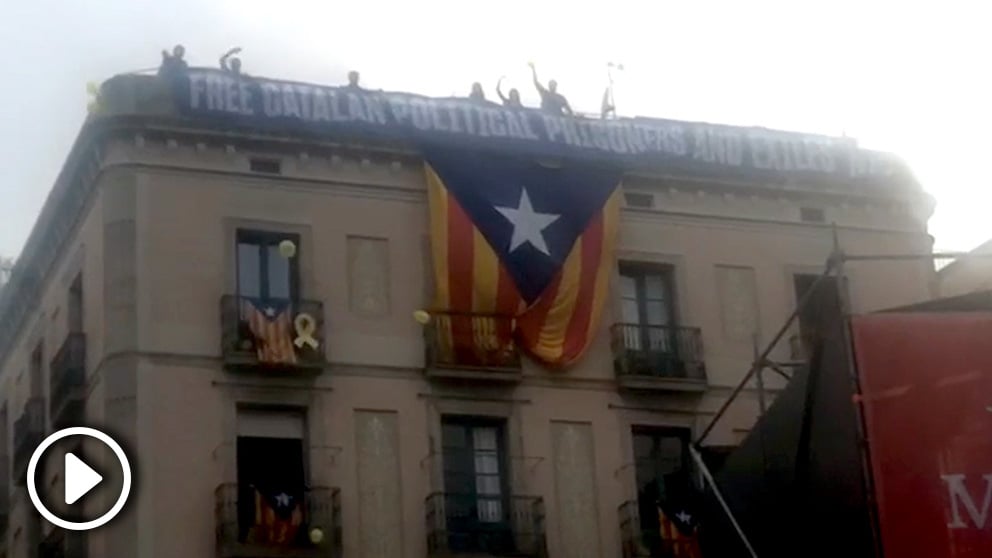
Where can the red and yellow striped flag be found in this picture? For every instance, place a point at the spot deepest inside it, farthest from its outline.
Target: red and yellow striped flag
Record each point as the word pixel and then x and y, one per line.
pixel 479 271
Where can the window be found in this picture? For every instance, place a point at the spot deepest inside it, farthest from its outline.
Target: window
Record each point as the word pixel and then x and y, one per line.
pixel 37 372
pixel 476 498
pixel 661 460
pixel 647 295
pixel 647 308
pixel 267 166
pixel 76 305
pixel 638 199
pixel 812 215
pixel 810 321
pixel 265 481
pixel 263 272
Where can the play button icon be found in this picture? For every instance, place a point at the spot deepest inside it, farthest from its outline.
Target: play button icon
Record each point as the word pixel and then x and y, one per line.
pixel 80 478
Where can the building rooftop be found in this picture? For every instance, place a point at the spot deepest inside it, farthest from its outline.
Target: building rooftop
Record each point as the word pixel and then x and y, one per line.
pixel 209 101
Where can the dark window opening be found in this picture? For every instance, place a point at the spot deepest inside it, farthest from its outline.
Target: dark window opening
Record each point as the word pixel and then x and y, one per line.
pixel 662 472
pixel 812 215
pixel 75 315
pixel 477 503
pixel 37 372
pixel 267 166
pixel 271 489
pixel 810 322
pixel 637 199
pixel 264 272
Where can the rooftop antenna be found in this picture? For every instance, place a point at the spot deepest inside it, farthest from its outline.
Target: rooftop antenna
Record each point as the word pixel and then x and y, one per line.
pixel 608 108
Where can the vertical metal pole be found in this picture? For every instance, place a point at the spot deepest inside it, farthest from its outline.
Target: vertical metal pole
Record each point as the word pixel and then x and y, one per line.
pixel 759 375
pixel 867 474
pixel 719 496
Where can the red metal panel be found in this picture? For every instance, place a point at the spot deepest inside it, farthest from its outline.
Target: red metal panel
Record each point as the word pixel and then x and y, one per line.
pixel 926 383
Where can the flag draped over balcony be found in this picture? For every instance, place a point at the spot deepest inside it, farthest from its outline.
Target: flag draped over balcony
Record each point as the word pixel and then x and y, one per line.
pixel 678 532
pixel 271 329
pixel 523 239
pixel 278 517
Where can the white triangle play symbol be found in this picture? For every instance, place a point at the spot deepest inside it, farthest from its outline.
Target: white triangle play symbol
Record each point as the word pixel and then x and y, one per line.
pixel 80 478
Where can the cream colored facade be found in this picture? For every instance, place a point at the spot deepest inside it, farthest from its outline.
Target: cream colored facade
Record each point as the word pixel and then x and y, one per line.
pixel 157 204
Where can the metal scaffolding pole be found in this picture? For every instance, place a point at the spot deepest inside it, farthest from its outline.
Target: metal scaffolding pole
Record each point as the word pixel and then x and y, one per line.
pixel 762 358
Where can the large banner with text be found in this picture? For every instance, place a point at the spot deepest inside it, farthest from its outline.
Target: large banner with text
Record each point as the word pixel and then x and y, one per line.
pixel 695 148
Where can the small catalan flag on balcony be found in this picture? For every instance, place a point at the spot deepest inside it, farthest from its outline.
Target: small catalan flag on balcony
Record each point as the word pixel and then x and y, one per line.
pixel 270 323
pixel 278 517
pixel 526 239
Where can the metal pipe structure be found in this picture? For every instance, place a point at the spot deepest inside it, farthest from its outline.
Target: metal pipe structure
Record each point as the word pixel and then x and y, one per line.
pixel 760 361
pixel 719 496
pixel 867 473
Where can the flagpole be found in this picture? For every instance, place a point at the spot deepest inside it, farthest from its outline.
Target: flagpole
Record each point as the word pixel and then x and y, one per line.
pixel 719 496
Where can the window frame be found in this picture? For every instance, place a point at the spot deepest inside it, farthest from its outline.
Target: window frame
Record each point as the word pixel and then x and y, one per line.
pixel 265 239
pixel 468 424
pixel 639 273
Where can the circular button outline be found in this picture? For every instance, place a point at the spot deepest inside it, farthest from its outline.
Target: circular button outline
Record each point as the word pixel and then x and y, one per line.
pixel 107 441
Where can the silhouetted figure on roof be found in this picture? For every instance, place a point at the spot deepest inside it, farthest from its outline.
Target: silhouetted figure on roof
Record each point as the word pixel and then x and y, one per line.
pixel 477 94
pixel 234 66
pixel 173 64
pixel 353 78
pixel 513 101
pixel 551 100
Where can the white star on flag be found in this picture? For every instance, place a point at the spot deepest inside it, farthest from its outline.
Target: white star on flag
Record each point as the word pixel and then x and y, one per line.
pixel 684 517
pixel 282 499
pixel 528 225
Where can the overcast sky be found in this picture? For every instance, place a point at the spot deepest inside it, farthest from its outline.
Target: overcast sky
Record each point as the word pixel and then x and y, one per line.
pixel 914 78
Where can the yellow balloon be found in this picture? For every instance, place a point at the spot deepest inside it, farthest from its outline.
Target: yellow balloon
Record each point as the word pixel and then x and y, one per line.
pixel 287 249
pixel 422 317
pixel 316 535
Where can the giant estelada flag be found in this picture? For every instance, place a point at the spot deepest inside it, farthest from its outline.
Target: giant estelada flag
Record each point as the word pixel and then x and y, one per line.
pixel 521 238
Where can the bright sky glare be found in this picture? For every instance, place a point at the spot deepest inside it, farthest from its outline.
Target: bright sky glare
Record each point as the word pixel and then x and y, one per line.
pixel 907 77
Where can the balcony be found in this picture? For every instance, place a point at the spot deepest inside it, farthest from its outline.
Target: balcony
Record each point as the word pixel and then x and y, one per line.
pixel 469 525
pixel 272 335
pixel 471 347
pixel 68 383
pixel 659 358
pixel 61 543
pixel 239 536
pixel 29 430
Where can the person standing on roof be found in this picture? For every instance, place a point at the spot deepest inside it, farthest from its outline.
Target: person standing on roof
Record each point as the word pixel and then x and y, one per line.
pixel 234 66
pixel 353 78
pixel 551 100
pixel 513 101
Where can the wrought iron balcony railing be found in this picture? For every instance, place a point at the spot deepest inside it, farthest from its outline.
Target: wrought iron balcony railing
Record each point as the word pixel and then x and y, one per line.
pixel 263 334
pixel 470 345
pixel 246 530
pixel 494 526
pixel 29 430
pixel 68 382
pixel 658 357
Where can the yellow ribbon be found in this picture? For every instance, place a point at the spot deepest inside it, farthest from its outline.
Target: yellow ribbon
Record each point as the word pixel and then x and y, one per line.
pixel 305 327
